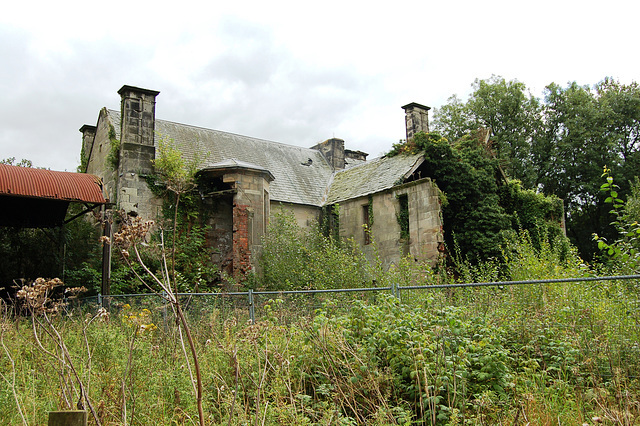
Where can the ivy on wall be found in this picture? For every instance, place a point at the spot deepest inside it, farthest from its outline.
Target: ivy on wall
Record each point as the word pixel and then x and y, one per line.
pixel 481 210
pixel 402 216
pixel 113 157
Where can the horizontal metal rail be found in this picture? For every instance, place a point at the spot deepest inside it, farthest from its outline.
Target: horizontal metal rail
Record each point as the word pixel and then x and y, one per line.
pixel 390 288
pixel 507 283
pixel 395 289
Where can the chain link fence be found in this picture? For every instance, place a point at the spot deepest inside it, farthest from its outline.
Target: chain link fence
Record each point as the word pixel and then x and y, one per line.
pixel 596 314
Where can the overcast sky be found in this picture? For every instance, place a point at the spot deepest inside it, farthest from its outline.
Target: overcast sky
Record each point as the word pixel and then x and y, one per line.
pixel 295 72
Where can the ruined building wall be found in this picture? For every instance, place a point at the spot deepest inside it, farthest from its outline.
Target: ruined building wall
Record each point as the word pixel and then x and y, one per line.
pixel 250 215
pixel 425 225
pixel 305 215
pixel 96 152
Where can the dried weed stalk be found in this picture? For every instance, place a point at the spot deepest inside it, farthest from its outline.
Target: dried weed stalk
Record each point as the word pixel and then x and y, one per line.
pixel 132 236
pixel 37 299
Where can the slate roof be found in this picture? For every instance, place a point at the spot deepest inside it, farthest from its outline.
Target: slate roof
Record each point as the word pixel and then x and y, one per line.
pixel 371 177
pixel 234 163
pixel 297 180
pixel 301 175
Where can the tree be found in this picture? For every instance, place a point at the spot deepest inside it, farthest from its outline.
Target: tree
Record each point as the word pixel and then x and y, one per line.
pixel 586 129
pixel 509 110
pixel 558 145
pixel 468 177
pixel 11 161
pixel 178 176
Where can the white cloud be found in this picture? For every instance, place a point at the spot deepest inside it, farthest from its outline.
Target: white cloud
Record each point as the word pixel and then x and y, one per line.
pixel 289 71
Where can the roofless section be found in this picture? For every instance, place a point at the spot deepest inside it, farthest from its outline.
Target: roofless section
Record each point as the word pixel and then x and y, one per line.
pixel 34 198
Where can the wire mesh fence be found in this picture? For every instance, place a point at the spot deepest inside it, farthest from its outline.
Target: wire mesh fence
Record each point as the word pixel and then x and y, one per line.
pixel 597 315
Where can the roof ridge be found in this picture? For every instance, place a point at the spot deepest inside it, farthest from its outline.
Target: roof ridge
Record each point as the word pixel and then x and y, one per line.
pixel 228 133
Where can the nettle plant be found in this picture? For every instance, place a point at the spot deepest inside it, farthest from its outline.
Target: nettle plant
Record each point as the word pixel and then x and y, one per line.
pixel 625 247
pixel 437 364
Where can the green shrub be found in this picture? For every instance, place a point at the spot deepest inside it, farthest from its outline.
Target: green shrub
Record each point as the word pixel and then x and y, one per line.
pixel 294 258
pixel 436 363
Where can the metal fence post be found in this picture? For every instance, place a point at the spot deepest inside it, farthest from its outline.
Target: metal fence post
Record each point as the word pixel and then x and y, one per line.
pixel 100 300
pixel 252 312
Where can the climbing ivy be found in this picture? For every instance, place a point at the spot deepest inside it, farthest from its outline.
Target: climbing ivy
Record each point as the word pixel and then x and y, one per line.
pixel 482 210
pixel 402 216
pixel 113 157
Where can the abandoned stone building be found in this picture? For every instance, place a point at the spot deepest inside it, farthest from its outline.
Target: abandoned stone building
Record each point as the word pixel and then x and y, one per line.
pixel 245 180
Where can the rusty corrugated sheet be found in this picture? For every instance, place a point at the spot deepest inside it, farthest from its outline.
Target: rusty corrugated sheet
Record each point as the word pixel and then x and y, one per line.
pixel 40 183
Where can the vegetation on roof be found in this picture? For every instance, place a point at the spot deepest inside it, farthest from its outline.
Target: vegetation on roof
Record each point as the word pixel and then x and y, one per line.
pixel 483 211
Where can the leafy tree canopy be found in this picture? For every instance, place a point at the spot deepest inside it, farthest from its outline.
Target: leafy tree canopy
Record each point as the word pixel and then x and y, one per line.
pixel 558 144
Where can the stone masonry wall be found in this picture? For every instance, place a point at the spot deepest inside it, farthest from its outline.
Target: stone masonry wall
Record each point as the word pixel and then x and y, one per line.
pixel 137 152
pixel 97 152
pixel 305 215
pixel 425 224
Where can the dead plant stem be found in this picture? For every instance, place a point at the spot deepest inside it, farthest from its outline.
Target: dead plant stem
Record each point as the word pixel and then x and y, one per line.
pixel 12 383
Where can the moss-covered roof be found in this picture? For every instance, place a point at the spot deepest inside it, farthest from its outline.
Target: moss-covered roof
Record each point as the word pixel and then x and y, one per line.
pixel 371 177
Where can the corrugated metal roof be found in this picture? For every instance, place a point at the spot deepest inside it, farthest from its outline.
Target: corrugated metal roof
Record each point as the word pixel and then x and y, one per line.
pixel 371 177
pixel 40 183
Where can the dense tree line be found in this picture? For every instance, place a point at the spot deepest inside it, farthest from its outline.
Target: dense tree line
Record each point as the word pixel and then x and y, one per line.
pixel 557 145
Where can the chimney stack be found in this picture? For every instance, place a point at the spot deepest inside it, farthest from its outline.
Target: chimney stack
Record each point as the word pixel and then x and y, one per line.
pixel 137 150
pixel 416 119
pixel 138 107
pixel 333 150
pixel 88 135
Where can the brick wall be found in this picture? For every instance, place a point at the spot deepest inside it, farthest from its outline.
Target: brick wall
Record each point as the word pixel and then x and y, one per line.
pixel 241 241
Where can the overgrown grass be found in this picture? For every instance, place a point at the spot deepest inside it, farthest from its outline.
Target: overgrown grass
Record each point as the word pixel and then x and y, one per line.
pixel 538 354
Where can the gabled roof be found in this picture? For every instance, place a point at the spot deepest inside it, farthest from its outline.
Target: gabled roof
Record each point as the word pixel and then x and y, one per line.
pixel 301 174
pixel 373 176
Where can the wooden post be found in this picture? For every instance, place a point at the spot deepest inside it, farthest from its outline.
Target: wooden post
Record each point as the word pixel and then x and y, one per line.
pixel 68 418
pixel 106 254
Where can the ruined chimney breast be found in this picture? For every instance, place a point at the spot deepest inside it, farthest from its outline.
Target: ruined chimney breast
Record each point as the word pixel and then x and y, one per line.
pixel 416 119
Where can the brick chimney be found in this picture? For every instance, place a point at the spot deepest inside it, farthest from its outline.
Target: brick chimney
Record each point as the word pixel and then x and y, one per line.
pixel 416 119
